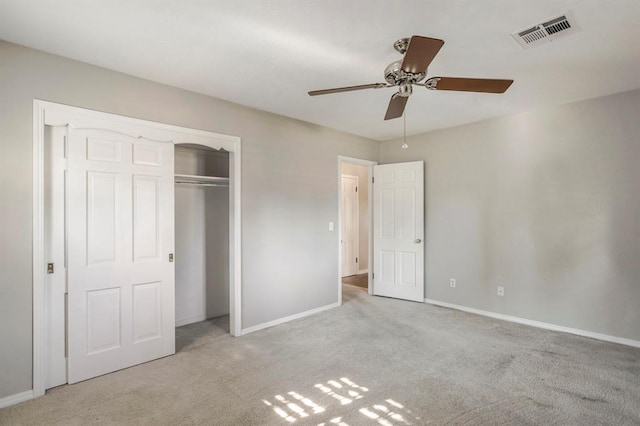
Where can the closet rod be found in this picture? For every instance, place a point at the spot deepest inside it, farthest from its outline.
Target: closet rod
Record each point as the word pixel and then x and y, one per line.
pixel 180 182
pixel 197 178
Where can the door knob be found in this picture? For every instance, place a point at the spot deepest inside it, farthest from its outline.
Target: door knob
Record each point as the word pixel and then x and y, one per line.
pixel 418 241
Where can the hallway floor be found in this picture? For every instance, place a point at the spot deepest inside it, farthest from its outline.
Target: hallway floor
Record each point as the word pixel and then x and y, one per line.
pixel 361 280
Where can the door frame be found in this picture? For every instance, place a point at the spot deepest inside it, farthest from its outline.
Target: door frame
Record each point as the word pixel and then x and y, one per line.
pixel 369 165
pixel 357 227
pixel 49 113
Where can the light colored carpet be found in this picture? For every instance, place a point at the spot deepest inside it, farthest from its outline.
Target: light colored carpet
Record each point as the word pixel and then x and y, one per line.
pixel 372 361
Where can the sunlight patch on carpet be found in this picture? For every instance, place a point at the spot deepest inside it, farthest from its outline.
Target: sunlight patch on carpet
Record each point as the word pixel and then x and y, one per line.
pixel 294 406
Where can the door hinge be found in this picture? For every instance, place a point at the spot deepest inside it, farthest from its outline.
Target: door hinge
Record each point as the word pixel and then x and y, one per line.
pixel 356 189
pixel 49 268
pixel 373 180
pixel 170 257
pixel 373 276
pixel 356 260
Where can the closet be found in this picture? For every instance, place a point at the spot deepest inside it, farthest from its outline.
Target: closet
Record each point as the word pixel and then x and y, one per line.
pixel 136 231
pixel 201 233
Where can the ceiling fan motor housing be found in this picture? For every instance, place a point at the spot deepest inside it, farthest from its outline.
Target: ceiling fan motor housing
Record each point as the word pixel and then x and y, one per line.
pixel 394 74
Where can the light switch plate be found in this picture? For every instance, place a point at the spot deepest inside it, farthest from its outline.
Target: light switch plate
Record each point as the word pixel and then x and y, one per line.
pixel 330 226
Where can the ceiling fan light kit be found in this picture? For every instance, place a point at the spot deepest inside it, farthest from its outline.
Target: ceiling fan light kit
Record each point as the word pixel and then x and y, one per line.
pixel 418 53
pixel 405 90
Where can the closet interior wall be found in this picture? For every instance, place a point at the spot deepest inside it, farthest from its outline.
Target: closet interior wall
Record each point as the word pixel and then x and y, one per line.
pixel 201 236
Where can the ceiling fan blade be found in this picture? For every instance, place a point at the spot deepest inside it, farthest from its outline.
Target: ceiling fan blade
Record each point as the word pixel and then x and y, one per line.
pixel 347 89
pixel 396 106
pixel 420 53
pixel 484 85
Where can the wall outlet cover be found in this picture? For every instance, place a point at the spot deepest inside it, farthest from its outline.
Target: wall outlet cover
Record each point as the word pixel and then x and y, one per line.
pixel 452 282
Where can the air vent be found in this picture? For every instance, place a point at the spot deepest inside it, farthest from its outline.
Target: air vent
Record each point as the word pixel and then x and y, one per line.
pixel 547 31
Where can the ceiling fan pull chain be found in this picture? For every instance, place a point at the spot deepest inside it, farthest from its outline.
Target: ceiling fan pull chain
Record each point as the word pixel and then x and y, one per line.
pixel 404 132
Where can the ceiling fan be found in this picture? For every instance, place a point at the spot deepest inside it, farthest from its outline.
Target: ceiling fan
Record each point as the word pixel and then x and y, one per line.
pixel 418 53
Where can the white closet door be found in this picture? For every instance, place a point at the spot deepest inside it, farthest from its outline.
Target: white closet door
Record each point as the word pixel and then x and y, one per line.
pixel 120 235
pixel 398 226
pixel 55 290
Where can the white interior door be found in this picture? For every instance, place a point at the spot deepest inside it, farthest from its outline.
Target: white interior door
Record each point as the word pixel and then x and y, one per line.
pixel 398 227
pixel 349 221
pixel 120 236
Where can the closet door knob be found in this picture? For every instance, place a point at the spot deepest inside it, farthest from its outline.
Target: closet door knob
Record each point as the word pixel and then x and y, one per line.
pixel 418 241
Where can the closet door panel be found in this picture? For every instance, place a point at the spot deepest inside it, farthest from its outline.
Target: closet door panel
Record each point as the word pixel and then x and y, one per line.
pixel 147 311
pixel 103 316
pixel 146 217
pixel 103 192
pixel 147 154
pixel 100 149
pixel 121 281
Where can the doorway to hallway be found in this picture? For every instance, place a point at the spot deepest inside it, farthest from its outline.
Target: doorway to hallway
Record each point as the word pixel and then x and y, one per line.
pixel 355 192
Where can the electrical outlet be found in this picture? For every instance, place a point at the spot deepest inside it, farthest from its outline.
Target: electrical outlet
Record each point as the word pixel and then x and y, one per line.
pixel 500 291
pixel 452 282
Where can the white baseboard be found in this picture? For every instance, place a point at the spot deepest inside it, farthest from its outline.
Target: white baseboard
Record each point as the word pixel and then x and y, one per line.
pixel 198 318
pixel 538 324
pixel 217 314
pixel 289 318
pixel 16 399
pixel 363 271
pixel 190 320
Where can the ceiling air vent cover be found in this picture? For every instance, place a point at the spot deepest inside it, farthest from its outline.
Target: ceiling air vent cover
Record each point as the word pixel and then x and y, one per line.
pixel 548 31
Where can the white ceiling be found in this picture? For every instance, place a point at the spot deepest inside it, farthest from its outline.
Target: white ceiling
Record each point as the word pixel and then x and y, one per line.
pixel 267 54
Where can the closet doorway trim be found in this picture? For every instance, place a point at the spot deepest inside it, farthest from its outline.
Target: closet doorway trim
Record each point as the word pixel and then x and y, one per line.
pixel 49 113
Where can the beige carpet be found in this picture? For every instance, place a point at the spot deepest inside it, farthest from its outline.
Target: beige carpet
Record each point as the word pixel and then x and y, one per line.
pixel 373 361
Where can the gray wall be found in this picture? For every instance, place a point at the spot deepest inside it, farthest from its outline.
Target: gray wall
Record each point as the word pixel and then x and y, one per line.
pixel 363 211
pixel 546 204
pixel 289 189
